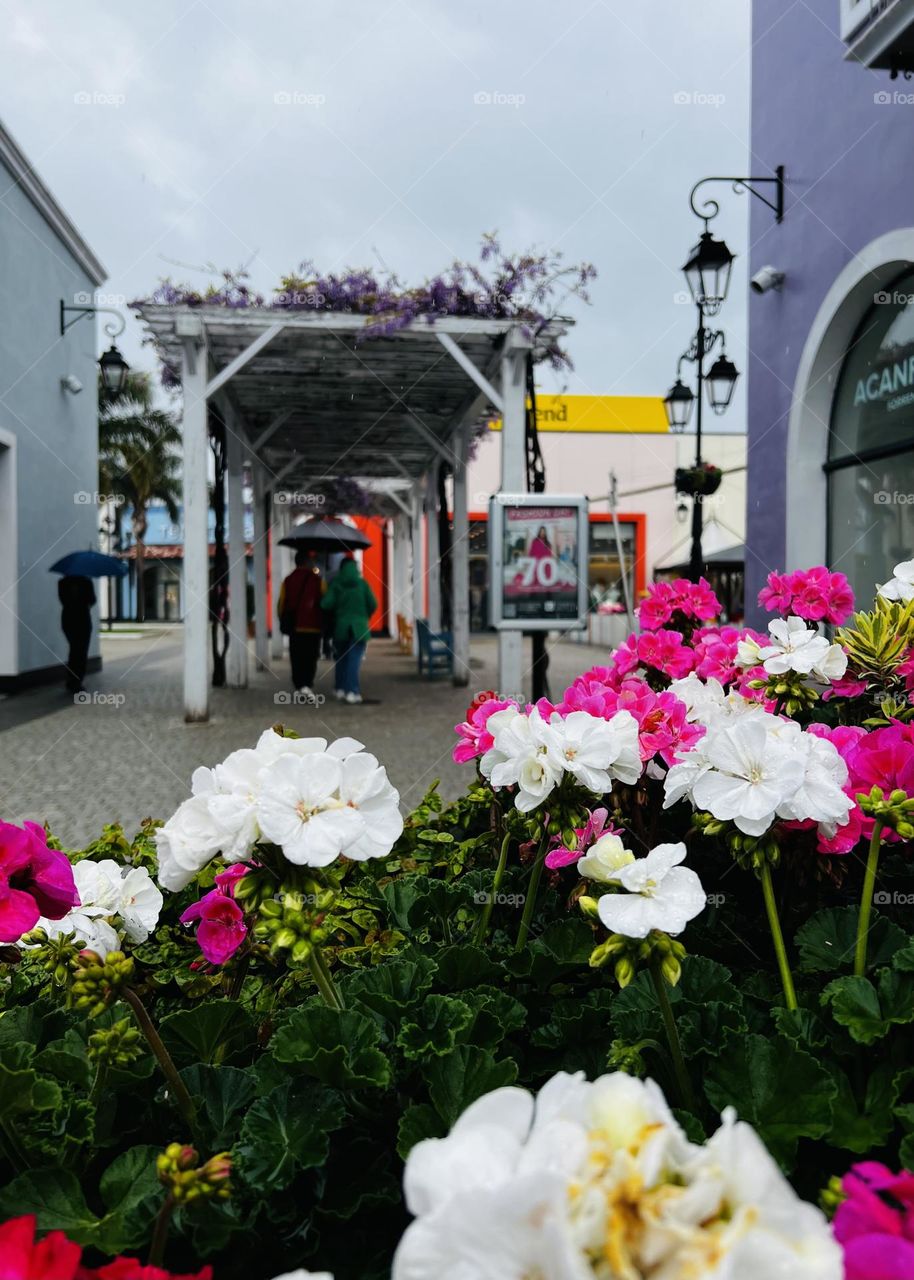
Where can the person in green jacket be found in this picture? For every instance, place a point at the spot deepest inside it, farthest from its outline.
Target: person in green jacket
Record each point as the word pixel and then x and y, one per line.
pixel 351 602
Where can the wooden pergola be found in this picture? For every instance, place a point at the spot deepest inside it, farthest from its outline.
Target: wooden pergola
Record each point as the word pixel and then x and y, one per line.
pixel 310 396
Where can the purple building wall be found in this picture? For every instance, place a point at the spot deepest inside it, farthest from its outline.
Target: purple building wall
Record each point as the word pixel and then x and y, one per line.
pixel 850 178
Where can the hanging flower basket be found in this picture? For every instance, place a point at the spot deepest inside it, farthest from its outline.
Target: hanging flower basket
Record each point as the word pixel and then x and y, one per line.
pixel 701 480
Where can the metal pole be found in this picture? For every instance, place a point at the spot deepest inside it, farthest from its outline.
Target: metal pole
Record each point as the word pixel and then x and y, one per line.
pixel 620 552
pixel 696 559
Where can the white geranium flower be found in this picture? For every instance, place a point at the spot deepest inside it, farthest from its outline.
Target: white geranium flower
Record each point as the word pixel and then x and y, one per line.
pixel 748 769
pixel 901 586
pixel 595 750
pixel 92 932
pixel 139 903
pixel 796 647
pixel 521 756
pixel 364 787
pixel 604 858
pixel 659 894
pixel 820 796
pixel 299 808
pixel 598 1179
pixel 300 1274
pixel 188 841
pixel 761 1227
pixel 110 895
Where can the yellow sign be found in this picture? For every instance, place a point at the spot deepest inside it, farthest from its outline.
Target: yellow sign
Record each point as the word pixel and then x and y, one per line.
pixel 626 415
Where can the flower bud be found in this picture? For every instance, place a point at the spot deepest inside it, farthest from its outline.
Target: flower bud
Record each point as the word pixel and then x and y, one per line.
pixel 590 907
pixel 625 971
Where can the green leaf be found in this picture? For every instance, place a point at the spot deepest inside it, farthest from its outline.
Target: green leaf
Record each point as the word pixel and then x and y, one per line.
pixel 56 1199
pixel 23 1091
pixel 418 1122
pixel 463 1076
pixel 785 1093
pixel 803 1026
pixel 827 941
pixel 221 1093
pixel 65 1063
pixel 903 960
pixel 287 1131
pixel 870 1011
pixel 337 1048
pixel 389 989
pixel 862 1129
pixel 495 1015
pixel 465 966
pixel 433 1028
pixel 199 1034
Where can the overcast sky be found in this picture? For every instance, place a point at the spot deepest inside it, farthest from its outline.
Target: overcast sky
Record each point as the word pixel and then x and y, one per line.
pixel 362 132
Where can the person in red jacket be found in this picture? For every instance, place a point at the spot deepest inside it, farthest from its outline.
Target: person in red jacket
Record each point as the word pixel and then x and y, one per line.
pixel 300 617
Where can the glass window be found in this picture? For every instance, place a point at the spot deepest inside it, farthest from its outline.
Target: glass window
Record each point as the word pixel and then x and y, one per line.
pixel 871 485
pixel 604 571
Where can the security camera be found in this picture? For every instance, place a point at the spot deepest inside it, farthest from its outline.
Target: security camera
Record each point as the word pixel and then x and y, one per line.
pixel 72 384
pixel 767 278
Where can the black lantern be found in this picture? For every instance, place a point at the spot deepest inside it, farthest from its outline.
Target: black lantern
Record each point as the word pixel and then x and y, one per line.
pixel 708 272
pixel 114 370
pixel 720 381
pixel 678 406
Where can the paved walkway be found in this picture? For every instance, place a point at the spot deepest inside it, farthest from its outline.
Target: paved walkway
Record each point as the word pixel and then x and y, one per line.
pixel 126 753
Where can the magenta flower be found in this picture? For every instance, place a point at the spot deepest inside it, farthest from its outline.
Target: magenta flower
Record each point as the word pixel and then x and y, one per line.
pixel 815 594
pixel 595 827
pixel 715 652
pixel 475 740
pixel 692 601
pixel 875 1224
pixel 35 881
pixel 662 725
pixel 221 930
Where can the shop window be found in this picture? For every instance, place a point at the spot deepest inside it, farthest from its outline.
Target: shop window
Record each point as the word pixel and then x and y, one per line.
pixel 871 444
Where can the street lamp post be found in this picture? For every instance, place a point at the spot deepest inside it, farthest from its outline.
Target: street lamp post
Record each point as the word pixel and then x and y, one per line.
pixel 708 274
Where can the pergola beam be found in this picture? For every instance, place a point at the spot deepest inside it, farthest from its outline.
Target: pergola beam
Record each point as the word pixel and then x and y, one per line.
pixel 471 370
pixel 244 357
pixel 260 440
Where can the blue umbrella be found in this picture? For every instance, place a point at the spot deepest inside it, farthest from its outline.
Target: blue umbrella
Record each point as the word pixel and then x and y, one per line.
pixel 89 564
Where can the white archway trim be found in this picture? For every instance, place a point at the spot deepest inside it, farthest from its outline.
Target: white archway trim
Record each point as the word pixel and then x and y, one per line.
pixel 846 303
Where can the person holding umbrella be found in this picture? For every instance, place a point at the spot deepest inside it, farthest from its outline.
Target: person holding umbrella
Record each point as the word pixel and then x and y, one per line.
pixel 352 602
pixel 77 596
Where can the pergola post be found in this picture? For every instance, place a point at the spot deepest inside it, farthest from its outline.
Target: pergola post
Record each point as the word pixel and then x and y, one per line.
pixel 460 562
pixel 236 659
pixel 278 529
pixel 433 545
pixel 194 430
pixel 260 566
pixel 513 480
pixel 399 572
pixel 416 565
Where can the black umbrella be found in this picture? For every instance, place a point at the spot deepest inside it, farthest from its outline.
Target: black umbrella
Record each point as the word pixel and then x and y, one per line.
pixel 325 535
pixel 90 564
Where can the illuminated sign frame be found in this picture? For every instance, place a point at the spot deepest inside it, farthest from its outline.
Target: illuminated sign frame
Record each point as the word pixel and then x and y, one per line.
pixel 543 619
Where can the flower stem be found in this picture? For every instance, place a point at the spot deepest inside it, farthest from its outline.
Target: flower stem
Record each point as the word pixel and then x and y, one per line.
pixel 160 1233
pixel 686 1096
pixel 182 1098
pixel 866 901
pixel 533 885
pixel 482 928
pixel 98 1083
pixel 324 981
pixel 774 924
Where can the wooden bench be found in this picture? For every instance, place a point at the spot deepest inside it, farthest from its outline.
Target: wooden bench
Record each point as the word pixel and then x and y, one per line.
pixel 436 653
pixel 404 635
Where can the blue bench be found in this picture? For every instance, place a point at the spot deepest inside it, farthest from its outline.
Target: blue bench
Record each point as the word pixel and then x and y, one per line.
pixel 436 656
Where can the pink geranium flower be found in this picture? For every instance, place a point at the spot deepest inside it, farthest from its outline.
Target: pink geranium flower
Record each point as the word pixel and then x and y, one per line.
pixel 878 758
pixel 222 928
pixel 662 725
pixel 815 594
pixel 35 880
pixel 23 1258
pixel 595 827
pixel 475 740
pixel 875 1224
pixel 715 652
pixel 664 651
pixel 691 601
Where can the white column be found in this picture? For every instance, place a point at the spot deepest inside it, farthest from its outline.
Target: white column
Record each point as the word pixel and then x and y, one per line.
pixel 236 660
pixel 261 604
pixel 433 545
pixel 460 562
pixel 418 603
pixel 195 498
pixel 513 480
pixel 278 530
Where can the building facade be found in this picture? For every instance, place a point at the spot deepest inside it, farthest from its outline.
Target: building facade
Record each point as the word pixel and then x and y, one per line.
pixel 48 430
pixel 831 363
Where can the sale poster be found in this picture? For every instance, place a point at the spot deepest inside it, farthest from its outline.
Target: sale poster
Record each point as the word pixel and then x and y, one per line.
pixel 540 563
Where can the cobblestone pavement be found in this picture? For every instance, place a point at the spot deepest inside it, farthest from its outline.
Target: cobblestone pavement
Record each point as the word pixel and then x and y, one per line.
pixel 126 753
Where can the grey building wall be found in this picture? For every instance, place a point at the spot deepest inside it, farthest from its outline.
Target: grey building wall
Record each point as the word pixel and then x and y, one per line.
pixel 846 136
pixel 56 433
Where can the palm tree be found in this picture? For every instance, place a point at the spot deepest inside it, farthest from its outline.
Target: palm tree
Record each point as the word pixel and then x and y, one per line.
pixel 139 460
